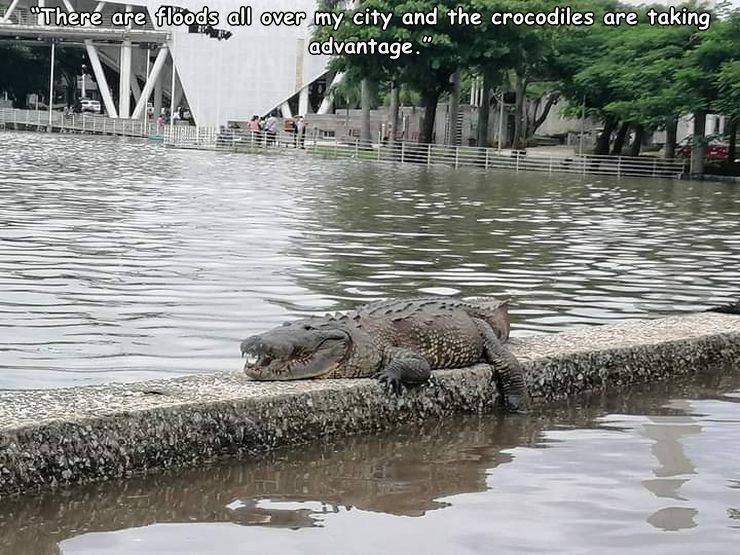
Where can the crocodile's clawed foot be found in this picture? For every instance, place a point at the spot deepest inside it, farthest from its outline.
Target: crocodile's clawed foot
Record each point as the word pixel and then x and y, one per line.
pixel 391 381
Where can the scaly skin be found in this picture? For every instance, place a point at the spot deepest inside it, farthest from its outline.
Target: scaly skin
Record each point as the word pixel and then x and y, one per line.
pixel 401 341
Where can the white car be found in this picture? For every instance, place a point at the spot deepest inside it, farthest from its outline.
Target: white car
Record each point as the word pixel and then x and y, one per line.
pixel 87 105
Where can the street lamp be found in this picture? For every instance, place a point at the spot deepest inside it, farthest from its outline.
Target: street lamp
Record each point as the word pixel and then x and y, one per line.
pixel 54 42
pixel 84 70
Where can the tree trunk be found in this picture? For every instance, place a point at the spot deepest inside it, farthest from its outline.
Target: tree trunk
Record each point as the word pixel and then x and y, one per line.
pixel 538 121
pixel 365 100
pixel 698 145
pixel 637 143
pixel 732 147
pixel 454 109
pixel 429 102
pixel 602 141
pixel 393 114
pixel 518 112
pixel 484 113
pixel 620 138
pixel 671 131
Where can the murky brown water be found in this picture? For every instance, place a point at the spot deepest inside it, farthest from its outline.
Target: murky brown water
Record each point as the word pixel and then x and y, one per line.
pixel 650 472
pixel 119 262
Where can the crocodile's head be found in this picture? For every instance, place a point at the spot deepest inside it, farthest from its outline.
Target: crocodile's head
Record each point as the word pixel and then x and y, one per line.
pixel 296 351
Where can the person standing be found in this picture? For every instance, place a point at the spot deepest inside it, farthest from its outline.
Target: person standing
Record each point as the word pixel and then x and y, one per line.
pixel 300 130
pixel 271 129
pixel 255 128
pixel 290 127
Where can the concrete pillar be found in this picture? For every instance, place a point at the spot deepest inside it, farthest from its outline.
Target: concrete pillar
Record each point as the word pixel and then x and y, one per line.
pixel 328 102
pixel 179 91
pixel 173 87
pixel 41 4
pixel 158 87
pixel 100 79
pixel 303 105
pixel 285 109
pixel 156 70
pixel 124 89
pixel 9 11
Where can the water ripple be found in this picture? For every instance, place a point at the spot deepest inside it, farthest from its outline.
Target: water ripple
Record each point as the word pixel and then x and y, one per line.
pixel 120 262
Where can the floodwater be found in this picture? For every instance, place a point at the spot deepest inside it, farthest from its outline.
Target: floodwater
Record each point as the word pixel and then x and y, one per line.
pixel 123 262
pixel 651 472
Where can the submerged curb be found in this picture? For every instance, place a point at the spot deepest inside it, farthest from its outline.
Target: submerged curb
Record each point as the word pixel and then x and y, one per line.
pixel 101 432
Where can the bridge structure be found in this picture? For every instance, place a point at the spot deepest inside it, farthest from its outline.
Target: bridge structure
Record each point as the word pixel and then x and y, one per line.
pixel 221 73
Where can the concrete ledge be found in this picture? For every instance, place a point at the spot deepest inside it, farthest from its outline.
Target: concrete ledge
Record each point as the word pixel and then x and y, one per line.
pixel 100 432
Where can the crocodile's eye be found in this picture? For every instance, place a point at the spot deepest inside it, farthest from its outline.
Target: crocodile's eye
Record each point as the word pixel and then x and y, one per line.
pixel 308 327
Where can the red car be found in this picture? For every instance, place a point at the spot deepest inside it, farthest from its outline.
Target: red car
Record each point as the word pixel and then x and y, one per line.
pixel 717 148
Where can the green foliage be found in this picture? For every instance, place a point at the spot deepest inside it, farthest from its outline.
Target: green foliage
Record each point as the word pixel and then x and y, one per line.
pixel 24 68
pixel 728 85
pixel 428 71
pixel 646 75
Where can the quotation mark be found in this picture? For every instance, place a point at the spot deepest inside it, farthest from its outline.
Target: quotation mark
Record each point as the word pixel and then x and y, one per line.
pixel 426 39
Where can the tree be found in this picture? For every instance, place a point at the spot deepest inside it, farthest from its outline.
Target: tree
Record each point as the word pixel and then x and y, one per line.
pixel 728 102
pixel 699 79
pixel 427 72
pixel 24 69
pixel 20 72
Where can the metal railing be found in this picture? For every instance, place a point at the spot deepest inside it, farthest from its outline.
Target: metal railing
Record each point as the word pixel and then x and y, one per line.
pixel 404 152
pixel 423 154
pixel 82 123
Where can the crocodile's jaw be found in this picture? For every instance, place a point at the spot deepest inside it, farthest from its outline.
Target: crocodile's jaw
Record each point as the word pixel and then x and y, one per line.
pixel 291 353
pixel 288 370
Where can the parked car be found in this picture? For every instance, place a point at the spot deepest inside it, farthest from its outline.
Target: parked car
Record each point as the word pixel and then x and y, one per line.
pixel 717 148
pixel 89 105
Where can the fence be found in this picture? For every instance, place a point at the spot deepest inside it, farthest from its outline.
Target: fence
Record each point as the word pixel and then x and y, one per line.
pixel 404 152
pixel 424 154
pixel 82 123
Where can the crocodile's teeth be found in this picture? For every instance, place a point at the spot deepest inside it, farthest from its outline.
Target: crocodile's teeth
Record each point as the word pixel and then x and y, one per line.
pixel 250 359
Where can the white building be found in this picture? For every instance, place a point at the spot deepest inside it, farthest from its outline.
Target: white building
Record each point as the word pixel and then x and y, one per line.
pixel 223 73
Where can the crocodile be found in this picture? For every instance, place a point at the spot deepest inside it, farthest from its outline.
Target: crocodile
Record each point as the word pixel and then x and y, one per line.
pixel 399 342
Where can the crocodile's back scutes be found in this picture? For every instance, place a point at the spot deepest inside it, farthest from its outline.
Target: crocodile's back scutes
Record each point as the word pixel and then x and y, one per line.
pixel 441 330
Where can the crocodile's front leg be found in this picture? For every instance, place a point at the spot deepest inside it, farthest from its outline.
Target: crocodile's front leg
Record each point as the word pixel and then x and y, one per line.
pixel 402 367
pixel 507 371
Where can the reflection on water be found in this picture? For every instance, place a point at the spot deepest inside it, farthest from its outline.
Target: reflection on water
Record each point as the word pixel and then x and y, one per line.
pixel 651 472
pixel 119 262
pixel 675 467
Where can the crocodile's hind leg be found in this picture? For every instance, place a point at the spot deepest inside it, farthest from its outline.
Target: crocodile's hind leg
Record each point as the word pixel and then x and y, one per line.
pixel 507 371
pixel 403 367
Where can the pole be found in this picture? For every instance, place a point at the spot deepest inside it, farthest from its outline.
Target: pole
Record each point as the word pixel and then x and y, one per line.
pixel 218 85
pixel 172 89
pixel 501 121
pixel 146 100
pixel 583 124
pixel 51 82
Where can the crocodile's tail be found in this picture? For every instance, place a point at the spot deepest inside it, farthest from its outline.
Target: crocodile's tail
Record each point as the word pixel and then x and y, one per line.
pixel 493 311
pixel 732 308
